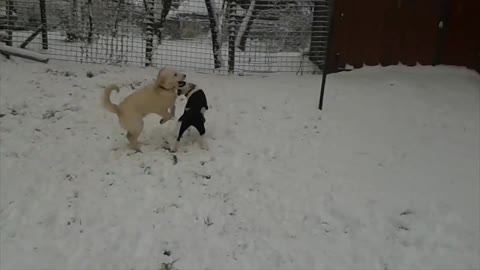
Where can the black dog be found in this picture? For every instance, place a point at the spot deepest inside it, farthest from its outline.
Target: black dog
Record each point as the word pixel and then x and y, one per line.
pixel 193 114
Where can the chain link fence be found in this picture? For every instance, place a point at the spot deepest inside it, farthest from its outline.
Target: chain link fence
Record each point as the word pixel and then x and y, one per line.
pixel 226 36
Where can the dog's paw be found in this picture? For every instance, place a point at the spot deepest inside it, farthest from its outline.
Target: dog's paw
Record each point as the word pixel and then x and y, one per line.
pixel 133 152
pixel 163 121
pixel 203 144
pixel 174 148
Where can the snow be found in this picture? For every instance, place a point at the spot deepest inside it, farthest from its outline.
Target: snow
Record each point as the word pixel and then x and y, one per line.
pixel 387 177
pixel 23 53
pixel 190 7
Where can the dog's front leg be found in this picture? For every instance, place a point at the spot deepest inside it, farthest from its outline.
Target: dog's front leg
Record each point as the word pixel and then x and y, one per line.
pixel 165 117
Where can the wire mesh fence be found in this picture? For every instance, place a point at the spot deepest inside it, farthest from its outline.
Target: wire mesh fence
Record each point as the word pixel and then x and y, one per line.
pixel 203 35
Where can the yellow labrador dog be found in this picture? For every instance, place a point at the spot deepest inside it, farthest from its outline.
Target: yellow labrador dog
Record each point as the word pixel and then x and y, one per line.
pixel 157 97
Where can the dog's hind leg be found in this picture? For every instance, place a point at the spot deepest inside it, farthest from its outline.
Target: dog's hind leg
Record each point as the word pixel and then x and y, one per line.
pixel 203 143
pixel 183 127
pixel 201 130
pixel 133 132
pixel 133 141
pixel 133 124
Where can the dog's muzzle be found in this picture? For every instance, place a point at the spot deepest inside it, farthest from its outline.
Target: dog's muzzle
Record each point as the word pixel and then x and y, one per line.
pixel 181 84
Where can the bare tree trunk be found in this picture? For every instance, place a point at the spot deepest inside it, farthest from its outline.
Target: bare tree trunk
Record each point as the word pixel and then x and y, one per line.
pixel 150 18
pixel 43 17
pixel 74 22
pixel 117 17
pixel 231 24
pixel 9 40
pixel 246 34
pixel 118 13
pixel 166 5
pixel 90 22
pixel 243 27
pixel 214 30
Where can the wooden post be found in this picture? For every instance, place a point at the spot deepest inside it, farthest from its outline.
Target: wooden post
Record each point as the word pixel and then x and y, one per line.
pixel 43 15
pixel 32 36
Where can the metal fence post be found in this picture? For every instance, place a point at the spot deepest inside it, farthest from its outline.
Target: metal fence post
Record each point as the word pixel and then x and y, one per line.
pixel 327 53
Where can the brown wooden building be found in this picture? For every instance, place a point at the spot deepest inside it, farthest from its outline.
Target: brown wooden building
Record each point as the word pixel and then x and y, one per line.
pixel 389 32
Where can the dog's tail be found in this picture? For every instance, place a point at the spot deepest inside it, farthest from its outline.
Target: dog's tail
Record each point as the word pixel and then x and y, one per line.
pixel 107 104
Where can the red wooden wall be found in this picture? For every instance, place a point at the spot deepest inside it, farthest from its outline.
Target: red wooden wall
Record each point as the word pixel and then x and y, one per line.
pixel 388 32
pixel 462 44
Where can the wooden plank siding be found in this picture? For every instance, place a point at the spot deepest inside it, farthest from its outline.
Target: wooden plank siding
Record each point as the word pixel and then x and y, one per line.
pixel 389 32
pixel 462 41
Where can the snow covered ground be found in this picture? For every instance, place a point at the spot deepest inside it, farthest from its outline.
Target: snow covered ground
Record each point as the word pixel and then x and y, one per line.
pixel 191 54
pixel 387 177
